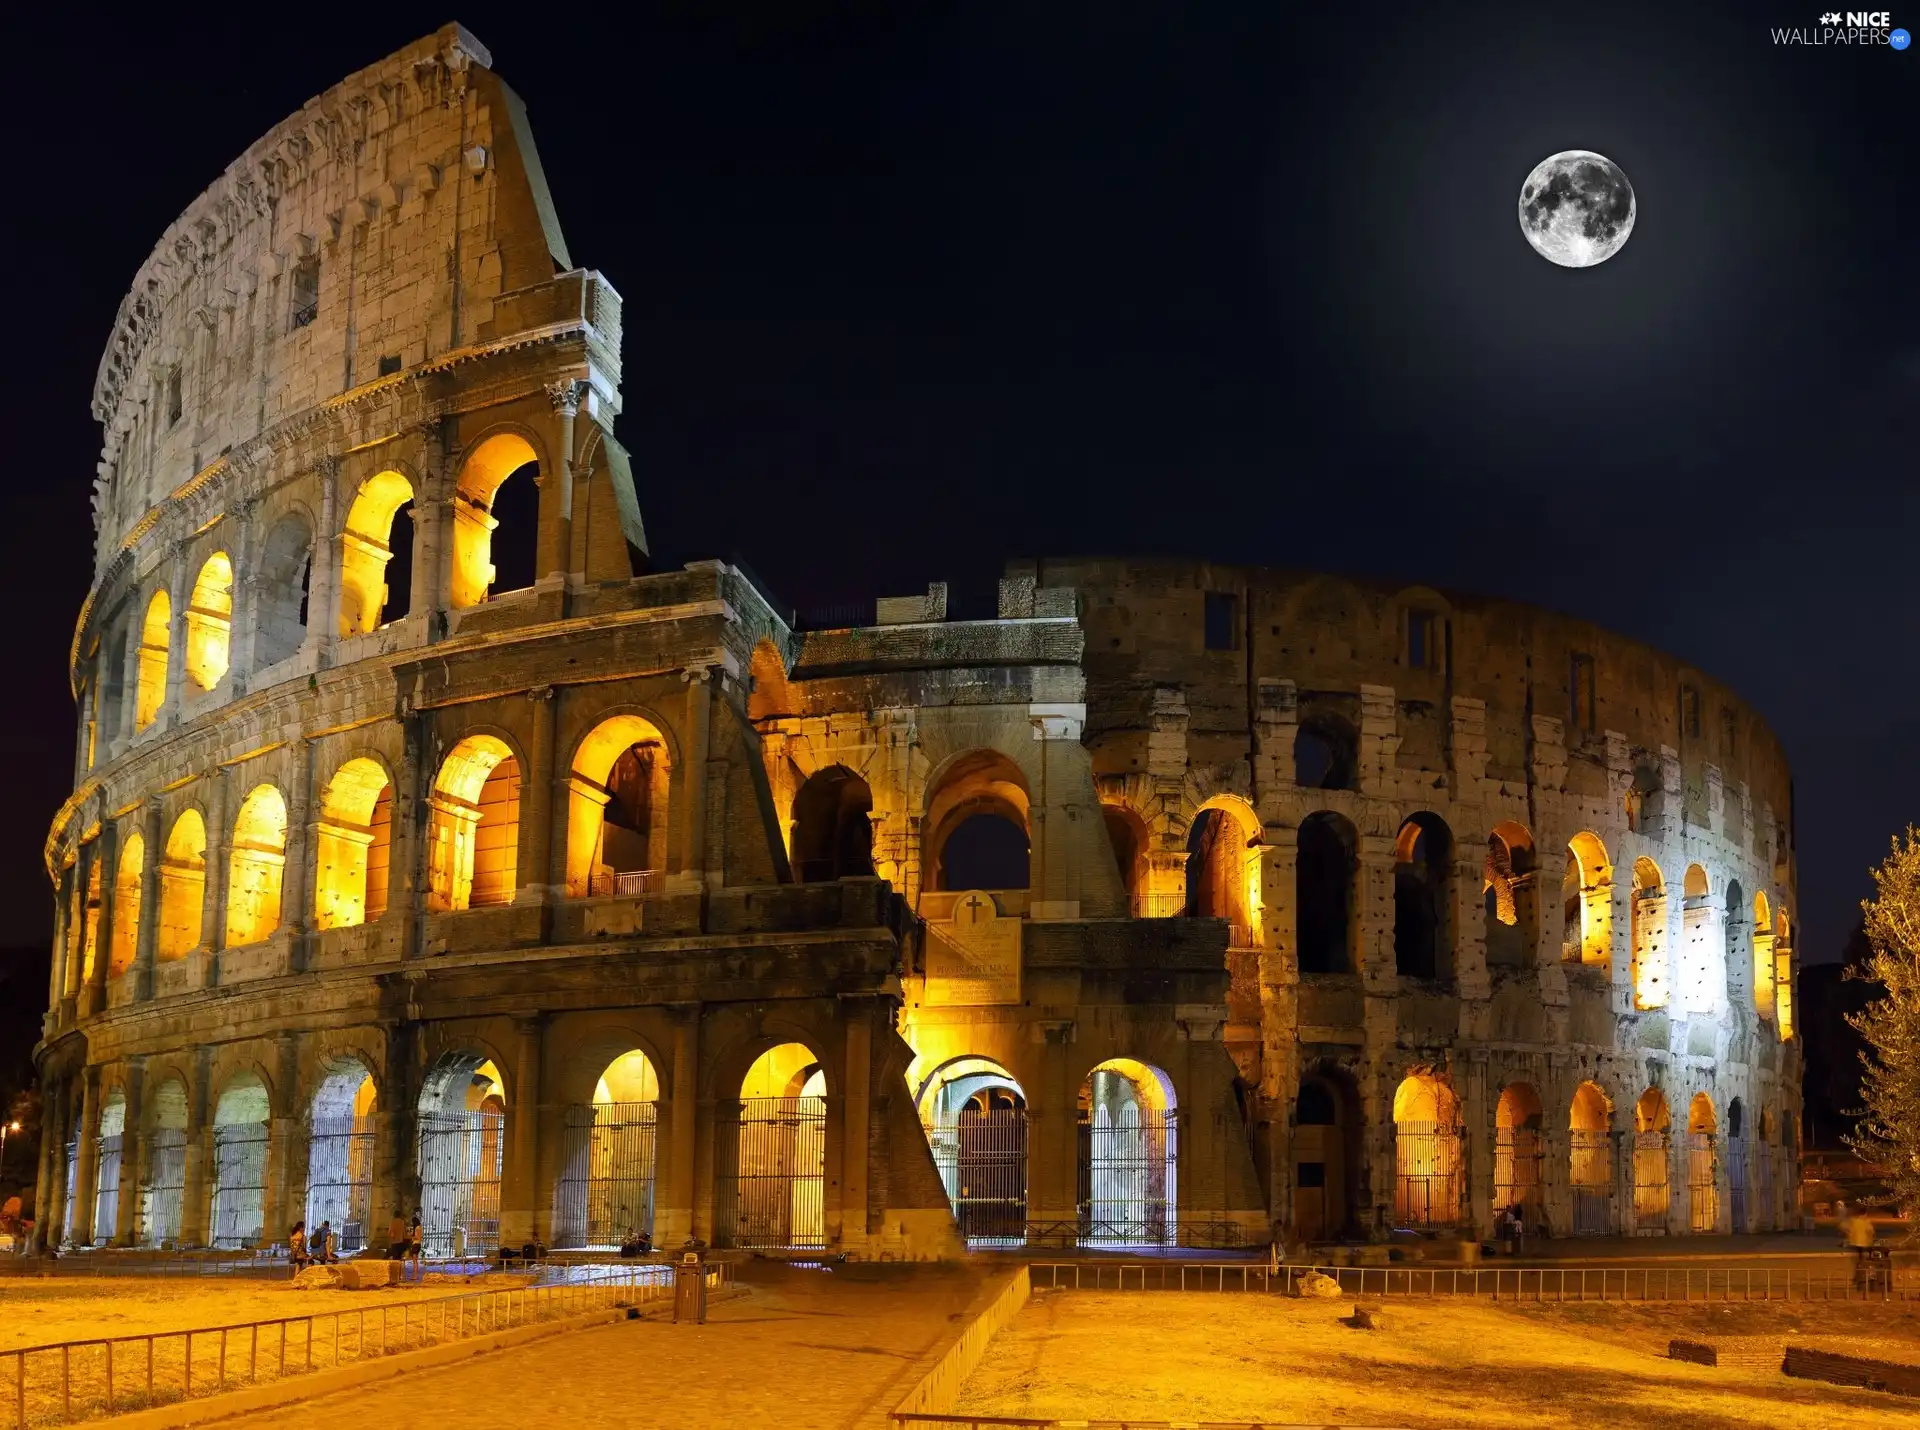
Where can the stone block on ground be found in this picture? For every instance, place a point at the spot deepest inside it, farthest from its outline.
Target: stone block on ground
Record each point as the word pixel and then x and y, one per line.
pixel 1366 1318
pixel 367 1275
pixel 316 1278
pixel 1324 1288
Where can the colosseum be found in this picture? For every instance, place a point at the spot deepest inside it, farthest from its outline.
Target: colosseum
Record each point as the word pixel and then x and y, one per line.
pixel 1176 904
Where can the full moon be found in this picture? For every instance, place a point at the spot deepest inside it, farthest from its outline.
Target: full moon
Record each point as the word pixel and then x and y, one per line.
pixel 1576 208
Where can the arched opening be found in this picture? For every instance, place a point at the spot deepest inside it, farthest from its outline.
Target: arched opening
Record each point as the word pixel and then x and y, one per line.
pixel 340 1155
pixel 1739 953
pixel 107 1167
pixel 183 888
pixel 1129 1156
pixel 978 835
pixel 474 842
pixel 769 693
pixel 1324 893
pixel 1741 1209
pixel 833 827
pixel 1703 1196
pixel 126 905
pixel 353 846
pixel 240 1121
pixel 1590 1124
pixel 1587 896
pixel 210 622
pixel 975 1116
pixel 165 1188
pixel 1649 935
pixel 1762 956
pixel 1128 837
pixel 617 810
pixel 603 1197
pixel 90 914
pixel 1427 1180
pixel 156 633
pixel 462 1148
pixel 1783 975
pixel 776 1196
pixel 378 526
pixel 1223 869
pixel 69 1230
pixel 1326 1132
pixel 257 865
pixel 1700 943
pixel 1766 1152
pixel 1651 1190
pixel 1517 1124
pixel 1422 932
pixel 280 591
pixel 477 494
pixel 1510 897
pixel 1325 753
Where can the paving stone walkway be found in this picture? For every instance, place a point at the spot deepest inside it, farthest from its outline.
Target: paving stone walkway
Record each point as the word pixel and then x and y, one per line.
pixel 805 1350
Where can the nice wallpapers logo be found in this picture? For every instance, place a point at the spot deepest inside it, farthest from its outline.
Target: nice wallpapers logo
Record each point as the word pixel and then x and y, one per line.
pixel 1855 27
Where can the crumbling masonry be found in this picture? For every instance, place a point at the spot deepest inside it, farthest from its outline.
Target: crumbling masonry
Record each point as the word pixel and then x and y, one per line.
pixel 616 903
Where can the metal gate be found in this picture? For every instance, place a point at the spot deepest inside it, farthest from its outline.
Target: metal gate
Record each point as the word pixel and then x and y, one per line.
pixel 1591 1173
pixel 340 1178
pixel 239 1184
pixel 1765 1213
pixel 1426 1174
pixel 982 1157
pixel 460 1157
pixel 1516 1168
pixel 106 1200
pixel 1128 1165
pixel 774 1198
pixel 1737 1183
pixel 73 1179
pixel 604 1193
pixel 1703 1196
pixel 1651 1190
pixel 166 1188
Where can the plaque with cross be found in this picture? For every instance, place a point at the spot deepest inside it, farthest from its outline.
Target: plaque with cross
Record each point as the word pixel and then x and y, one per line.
pixel 974 957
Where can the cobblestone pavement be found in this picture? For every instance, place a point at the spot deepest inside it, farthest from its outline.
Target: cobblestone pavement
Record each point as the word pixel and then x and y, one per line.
pixel 806 1350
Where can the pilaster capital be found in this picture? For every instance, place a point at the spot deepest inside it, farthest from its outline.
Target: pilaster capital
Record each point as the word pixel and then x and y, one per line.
pixel 565 396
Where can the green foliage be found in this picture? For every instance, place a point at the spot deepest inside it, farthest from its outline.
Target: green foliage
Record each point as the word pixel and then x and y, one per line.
pixel 1889 1134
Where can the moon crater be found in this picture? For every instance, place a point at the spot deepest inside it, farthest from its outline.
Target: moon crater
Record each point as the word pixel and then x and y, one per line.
pixel 1576 208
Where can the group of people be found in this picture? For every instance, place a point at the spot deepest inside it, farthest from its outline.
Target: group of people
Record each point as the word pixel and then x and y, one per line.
pixel 321 1247
pixel 1510 1227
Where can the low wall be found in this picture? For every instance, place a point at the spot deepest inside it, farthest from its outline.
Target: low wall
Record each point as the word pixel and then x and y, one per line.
pixel 997 1303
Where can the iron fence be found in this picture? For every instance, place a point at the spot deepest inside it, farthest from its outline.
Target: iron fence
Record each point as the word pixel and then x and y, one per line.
pixel 982 1159
pixel 1590 1163
pixel 1737 1185
pixel 1426 1175
pixel 1703 1195
pixel 239 1184
pixel 65 1381
pixel 1128 1167
pixel 1765 1213
pixel 774 1195
pixel 461 1154
pixel 340 1178
pixel 106 1202
pixel 165 1190
pixel 1516 1167
pixel 1651 1190
pixel 606 1183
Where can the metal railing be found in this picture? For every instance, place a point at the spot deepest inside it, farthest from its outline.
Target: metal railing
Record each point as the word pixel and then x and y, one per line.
pixel 1528 1283
pixel 64 1381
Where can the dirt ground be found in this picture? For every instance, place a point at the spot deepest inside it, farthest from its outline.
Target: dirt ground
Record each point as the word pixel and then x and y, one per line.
pixel 1087 1355
pixel 39 1310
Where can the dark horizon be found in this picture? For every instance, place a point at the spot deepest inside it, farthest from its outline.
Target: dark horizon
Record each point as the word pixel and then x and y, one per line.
pixel 911 293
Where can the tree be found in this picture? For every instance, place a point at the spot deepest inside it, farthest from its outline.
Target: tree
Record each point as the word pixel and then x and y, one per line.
pixel 1889 1133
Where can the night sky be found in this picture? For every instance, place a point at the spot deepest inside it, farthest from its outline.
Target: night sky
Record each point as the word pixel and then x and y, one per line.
pixel 911 288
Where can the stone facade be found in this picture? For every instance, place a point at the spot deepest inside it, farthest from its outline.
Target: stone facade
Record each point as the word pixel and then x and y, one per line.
pixel 341 889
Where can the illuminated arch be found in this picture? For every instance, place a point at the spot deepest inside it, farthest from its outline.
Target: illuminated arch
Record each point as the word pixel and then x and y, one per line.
pixel 240 1121
pixel 156 634
pixel 183 887
pixel 353 845
pixel 1649 935
pixel 210 622
pixel 1130 1158
pixel 1130 840
pixel 1509 891
pixel 1517 1122
pixel 365 550
pixel 1428 1180
pixel 485 468
pixel 340 1125
pixel 604 1192
pixel 256 867
pixel 126 904
pixel 1587 899
pixel 475 834
pixel 461 1149
pixel 777 1196
pixel 164 1187
pixel 977 785
pixel 617 808
pixel 1783 975
pixel 1223 867
pixel 1763 956
pixel 1652 1189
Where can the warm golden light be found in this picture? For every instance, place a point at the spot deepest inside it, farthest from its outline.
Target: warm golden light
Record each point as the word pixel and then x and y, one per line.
pixel 616 805
pixel 365 550
pixel 474 840
pixel 183 883
pixel 490 464
pixel 210 621
pixel 155 634
pixel 1649 935
pixel 126 905
pixel 353 839
pixel 1588 895
pixel 259 861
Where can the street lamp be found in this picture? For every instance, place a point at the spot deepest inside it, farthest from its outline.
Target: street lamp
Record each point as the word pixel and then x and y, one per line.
pixel 5 1128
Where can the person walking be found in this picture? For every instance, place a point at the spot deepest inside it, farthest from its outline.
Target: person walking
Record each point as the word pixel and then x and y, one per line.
pixel 397 1238
pixel 416 1246
pixel 1861 1232
pixel 297 1248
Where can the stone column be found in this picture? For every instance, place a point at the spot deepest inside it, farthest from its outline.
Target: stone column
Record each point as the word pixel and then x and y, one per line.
pixel 856 1103
pixel 107 852
pixel 543 807
pixel 556 495
pixel 519 1214
pixel 406 876
pixel 286 1147
pixel 87 1165
pixel 1478 1111
pixel 1053 1176
pixel 179 591
pixel 1373 910
pixel 57 975
pixel 1466 913
pixel 296 882
pixel 48 1187
pixel 149 935
pixel 323 580
pixel 674 1219
pixel 213 907
pixel 1279 1015
pixel 133 1155
pixel 693 779
pixel 195 1202
pixel 396 1174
